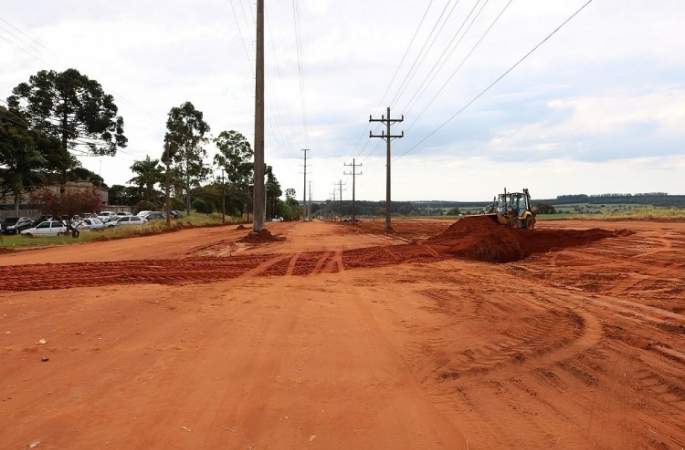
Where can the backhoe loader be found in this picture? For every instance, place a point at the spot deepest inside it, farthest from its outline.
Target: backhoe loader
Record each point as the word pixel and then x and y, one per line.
pixel 512 209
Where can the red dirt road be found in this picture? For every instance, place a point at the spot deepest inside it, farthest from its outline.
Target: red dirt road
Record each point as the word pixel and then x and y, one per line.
pixel 340 337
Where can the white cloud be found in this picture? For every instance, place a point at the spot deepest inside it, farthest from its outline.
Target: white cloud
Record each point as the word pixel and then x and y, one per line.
pixel 597 103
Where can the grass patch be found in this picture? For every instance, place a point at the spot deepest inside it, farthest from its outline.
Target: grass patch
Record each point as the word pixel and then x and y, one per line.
pixel 641 213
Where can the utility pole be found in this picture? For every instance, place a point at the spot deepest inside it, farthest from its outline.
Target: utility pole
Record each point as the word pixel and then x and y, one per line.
pixel 310 198
pixel 340 184
pixel 223 198
pixel 259 191
pixel 354 176
pixel 304 189
pixel 168 199
pixel 388 137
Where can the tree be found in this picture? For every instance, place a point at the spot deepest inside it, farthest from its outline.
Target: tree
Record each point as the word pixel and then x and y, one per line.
pixel 148 174
pixel 67 204
pixel 73 110
pixel 82 174
pixel 292 206
pixel 545 208
pixel 236 157
pixel 273 191
pixel 123 195
pixel 183 142
pixel 20 161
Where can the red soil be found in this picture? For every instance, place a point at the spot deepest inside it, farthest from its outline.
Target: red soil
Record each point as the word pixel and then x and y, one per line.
pixel 193 340
pixel 482 239
pixel 260 237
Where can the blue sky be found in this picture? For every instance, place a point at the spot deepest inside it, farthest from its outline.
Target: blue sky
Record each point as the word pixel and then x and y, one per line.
pixel 598 108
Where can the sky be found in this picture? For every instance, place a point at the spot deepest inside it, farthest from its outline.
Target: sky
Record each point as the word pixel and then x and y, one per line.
pixel 492 93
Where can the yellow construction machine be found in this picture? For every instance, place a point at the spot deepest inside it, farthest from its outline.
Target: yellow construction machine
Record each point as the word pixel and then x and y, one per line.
pixel 512 209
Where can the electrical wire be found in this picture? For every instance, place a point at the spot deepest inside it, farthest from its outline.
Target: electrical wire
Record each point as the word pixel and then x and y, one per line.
pixel 300 68
pixel 444 57
pixel 497 80
pixel 426 47
pixel 460 65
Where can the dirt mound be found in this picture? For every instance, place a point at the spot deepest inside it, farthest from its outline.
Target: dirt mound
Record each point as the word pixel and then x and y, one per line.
pixel 261 237
pixel 482 239
pixel 241 227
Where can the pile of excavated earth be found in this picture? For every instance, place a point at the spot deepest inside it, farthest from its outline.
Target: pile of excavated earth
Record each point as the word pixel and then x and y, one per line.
pixel 480 238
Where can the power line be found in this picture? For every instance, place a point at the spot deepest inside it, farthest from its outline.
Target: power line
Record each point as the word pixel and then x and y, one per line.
pixel 26 35
pixel 443 59
pixel 461 64
pixel 498 79
pixel 300 68
pixel 424 50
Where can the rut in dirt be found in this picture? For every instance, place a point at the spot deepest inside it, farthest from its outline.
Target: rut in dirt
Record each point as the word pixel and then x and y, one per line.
pixel 477 238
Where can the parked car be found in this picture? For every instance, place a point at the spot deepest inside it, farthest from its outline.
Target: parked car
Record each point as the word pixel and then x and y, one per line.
pixel 46 228
pixel 152 215
pixel 15 225
pixel 106 216
pixel 90 224
pixel 124 213
pixel 128 220
pixel 42 218
pixel 176 214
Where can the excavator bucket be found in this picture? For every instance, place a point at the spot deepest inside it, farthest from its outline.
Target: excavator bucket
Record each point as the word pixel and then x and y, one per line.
pixel 491 217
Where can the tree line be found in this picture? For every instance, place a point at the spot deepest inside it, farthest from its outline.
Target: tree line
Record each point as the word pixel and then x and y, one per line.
pixel 57 116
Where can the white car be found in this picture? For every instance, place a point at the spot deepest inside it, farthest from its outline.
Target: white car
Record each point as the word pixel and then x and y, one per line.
pixel 127 220
pixel 143 213
pixel 91 224
pixel 47 228
pixel 106 216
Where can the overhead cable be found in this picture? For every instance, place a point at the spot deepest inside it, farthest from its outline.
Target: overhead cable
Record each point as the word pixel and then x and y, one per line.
pixel 497 80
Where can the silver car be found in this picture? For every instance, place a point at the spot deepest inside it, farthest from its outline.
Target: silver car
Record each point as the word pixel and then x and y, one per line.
pixel 90 224
pixel 127 220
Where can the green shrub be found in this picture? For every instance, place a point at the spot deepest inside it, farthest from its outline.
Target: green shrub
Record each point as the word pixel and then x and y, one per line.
pixel 202 206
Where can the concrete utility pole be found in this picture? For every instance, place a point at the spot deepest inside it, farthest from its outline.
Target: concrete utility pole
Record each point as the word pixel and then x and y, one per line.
pixel 168 183
pixel 258 195
pixel 354 176
pixel 388 137
pixel 340 184
pixel 304 189
pixel 223 199
pixel 309 206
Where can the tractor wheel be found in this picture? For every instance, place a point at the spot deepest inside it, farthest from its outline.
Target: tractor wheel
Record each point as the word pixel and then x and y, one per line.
pixel 530 223
pixel 512 222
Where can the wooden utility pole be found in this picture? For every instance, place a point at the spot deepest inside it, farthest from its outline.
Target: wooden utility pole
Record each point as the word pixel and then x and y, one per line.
pixel 340 184
pixel 258 195
pixel 304 188
pixel 388 137
pixel 354 176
